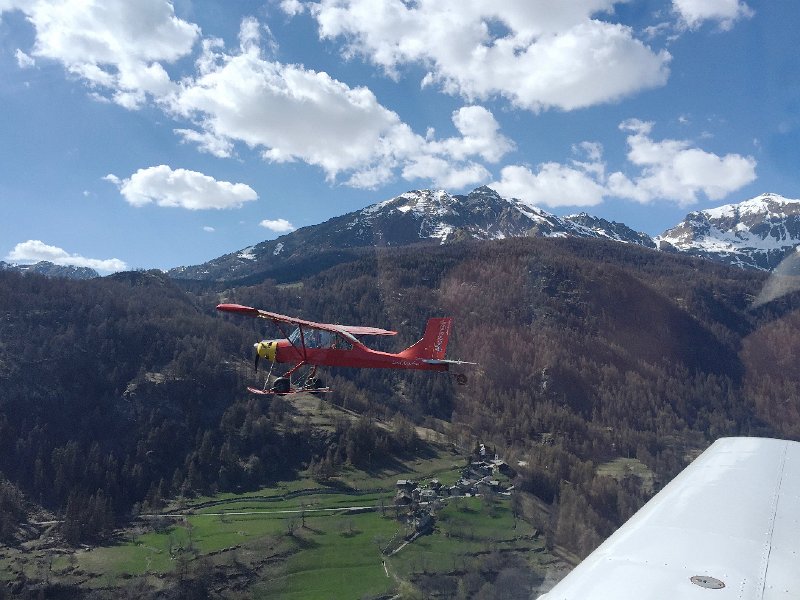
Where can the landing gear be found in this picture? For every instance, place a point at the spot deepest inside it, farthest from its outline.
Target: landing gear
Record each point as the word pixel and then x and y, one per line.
pixel 281 385
pixel 312 384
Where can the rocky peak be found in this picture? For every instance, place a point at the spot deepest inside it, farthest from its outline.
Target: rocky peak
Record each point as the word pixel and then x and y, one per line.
pixel 756 233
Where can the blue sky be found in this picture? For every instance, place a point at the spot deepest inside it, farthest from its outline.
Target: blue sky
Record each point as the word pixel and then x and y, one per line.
pixel 153 134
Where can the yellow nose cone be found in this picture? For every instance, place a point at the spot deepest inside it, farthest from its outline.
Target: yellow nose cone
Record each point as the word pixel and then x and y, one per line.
pixel 267 350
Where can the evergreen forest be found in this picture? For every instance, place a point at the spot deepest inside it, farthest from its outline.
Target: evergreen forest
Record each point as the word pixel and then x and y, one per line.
pixel 121 392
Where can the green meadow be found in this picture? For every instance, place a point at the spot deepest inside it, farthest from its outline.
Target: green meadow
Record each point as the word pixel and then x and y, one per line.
pixel 296 539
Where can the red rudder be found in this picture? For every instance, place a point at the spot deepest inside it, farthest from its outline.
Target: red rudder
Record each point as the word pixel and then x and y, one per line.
pixel 434 342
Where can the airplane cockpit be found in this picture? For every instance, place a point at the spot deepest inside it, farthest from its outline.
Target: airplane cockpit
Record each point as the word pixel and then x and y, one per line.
pixel 319 339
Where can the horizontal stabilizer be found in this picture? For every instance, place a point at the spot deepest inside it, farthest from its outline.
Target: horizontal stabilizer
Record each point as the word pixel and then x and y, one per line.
pixel 442 361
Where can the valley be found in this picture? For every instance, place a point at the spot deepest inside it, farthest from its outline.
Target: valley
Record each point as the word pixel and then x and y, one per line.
pixel 399 300
pixel 133 458
pixel 343 538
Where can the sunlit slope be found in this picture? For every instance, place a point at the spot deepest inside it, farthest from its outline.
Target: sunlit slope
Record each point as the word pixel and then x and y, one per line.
pixel 126 390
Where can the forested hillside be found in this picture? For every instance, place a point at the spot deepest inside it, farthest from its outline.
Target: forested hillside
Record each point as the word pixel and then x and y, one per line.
pixel 118 392
pixel 587 351
pixel 115 392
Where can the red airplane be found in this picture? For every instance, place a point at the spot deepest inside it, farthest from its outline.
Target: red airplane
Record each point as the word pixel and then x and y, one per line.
pixel 330 345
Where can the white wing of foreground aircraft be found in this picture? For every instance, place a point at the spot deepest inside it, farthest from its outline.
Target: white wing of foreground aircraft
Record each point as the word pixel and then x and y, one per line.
pixel 727 527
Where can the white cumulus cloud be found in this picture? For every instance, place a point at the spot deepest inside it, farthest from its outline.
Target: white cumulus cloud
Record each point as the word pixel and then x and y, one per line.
pixel 480 136
pixel 537 54
pixel 552 184
pixel 292 7
pixel 444 175
pixel 725 12
pixel 181 188
pixel 115 45
pixel 207 142
pixel 23 60
pixel 242 96
pixel 670 170
pixel 676 170
pixel 290 113
pixel 34 251
pixel 277 225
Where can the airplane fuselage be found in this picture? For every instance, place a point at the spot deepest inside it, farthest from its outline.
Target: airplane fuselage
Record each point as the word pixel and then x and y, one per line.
pixel 355 355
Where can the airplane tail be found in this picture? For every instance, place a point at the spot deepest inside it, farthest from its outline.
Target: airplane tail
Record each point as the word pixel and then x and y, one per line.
pixel 433 343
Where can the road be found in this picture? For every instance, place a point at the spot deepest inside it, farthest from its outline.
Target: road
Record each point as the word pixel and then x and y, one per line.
pixel 181 515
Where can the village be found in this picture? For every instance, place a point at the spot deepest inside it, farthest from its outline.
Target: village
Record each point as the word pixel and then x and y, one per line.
pixel 481 477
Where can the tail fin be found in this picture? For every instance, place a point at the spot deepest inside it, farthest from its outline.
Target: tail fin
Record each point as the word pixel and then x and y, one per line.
pixel 433 343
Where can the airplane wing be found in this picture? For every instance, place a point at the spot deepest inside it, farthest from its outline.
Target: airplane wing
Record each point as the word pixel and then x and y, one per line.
pixel 727 527
pixel 263 314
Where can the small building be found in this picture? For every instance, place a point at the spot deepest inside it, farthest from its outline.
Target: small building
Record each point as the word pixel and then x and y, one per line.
pixel 424 523
pixel 487 484
pixel 481 468
pixel 502 467
pixel 427 496
pixel 403 498
pixel 406 484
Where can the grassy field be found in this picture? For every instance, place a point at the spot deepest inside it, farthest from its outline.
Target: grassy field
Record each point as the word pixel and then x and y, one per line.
pixel 299 539
pixel 341 558
pixel 311 546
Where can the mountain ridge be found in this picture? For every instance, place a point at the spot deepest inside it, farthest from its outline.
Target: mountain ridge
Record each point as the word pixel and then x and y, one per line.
pixel 49 269
pixel 757 233
pixel 414 217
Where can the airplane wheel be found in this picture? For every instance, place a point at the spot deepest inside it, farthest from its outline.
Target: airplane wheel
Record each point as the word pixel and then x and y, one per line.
pixel 461 379
pixel 312 383
pixel 281 385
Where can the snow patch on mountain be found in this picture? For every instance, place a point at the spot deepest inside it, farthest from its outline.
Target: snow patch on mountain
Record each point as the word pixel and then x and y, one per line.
pixel 49 269
pixel 414 217
pixel 247 254
pixel 756 233
pixel 441 231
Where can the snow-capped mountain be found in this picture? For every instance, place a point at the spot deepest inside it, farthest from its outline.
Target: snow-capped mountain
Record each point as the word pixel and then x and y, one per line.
pixel 584 225
pixel 757 233
pixel 415 217
pixel 49 269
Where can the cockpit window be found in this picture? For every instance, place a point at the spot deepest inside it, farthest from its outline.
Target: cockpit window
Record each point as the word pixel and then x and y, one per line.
pixel 318 338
